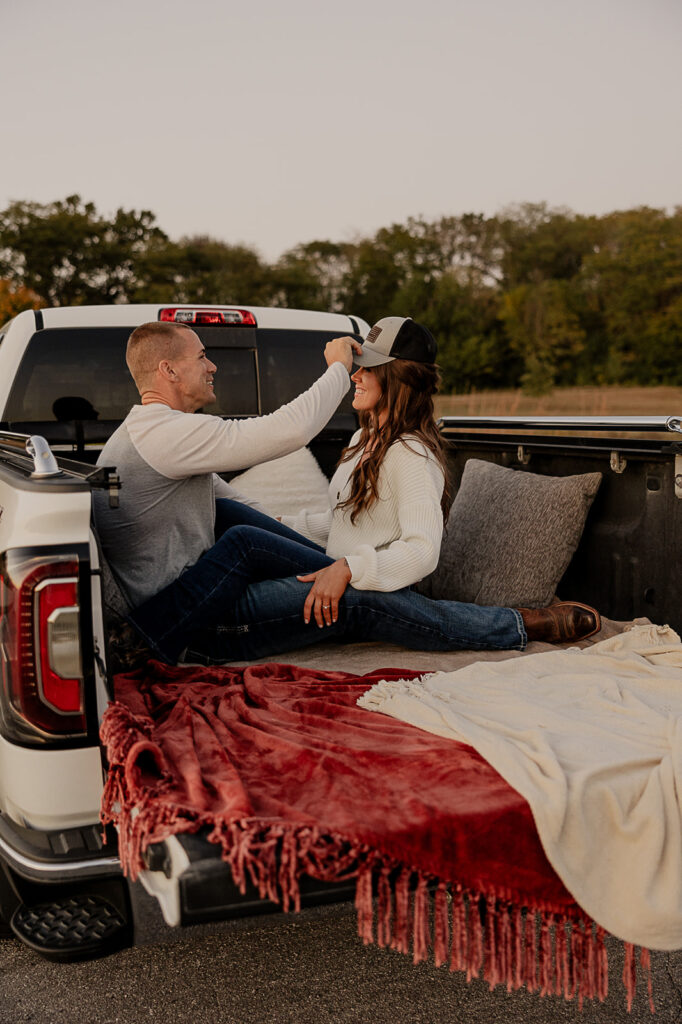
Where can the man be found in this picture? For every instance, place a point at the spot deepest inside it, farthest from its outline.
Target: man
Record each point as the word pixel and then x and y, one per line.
pixel 167 454
pixel 189 591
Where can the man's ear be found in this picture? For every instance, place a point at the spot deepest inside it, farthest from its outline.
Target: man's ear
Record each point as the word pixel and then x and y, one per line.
pixel 166 370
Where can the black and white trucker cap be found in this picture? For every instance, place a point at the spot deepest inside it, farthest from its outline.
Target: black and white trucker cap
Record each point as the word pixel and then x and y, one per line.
pixel 397 337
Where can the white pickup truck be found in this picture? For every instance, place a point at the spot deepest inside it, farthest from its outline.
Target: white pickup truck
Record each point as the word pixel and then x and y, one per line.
pixel 63 390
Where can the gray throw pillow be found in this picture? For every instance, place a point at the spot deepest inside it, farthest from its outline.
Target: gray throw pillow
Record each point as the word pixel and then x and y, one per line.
pixel 510 536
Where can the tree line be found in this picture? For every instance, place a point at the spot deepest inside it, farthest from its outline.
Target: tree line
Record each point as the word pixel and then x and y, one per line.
pixel 534 296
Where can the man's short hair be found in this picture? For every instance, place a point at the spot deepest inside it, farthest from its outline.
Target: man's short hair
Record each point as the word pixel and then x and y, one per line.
pixel 148 345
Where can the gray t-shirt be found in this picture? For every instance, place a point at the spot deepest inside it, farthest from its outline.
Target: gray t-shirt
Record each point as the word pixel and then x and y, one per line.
pixel 161 525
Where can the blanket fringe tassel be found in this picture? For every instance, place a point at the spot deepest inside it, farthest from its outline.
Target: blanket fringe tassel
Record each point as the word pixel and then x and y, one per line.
pixel 479 934
pixel 483 936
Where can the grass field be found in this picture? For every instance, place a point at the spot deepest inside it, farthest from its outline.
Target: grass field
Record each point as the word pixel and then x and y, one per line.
pixel 589 401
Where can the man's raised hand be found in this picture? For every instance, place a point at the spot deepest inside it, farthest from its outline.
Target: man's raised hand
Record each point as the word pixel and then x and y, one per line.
pixel 340 350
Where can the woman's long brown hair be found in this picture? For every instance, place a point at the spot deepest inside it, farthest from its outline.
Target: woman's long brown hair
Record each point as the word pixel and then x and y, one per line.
pixel 407 390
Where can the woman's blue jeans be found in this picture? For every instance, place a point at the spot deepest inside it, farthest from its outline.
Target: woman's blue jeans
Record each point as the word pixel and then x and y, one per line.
pixel 241 600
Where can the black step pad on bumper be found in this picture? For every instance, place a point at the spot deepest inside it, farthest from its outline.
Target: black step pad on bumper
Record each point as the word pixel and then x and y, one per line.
pixel 72 928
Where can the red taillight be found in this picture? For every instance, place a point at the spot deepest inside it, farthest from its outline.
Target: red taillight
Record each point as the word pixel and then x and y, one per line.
pixel 60 669
pixel 40 646
pixel 208 317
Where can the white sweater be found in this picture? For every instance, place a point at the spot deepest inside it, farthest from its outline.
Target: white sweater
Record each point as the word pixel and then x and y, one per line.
pixel 395 542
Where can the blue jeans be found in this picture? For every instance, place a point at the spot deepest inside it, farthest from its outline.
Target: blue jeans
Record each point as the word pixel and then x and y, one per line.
pixel 239 601
pixel 230 513
pixel 268 620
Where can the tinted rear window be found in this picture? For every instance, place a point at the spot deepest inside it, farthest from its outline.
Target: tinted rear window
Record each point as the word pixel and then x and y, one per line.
pixel 81 374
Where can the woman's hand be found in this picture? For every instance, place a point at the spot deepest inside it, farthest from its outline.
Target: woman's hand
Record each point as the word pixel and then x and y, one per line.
pixel 328 587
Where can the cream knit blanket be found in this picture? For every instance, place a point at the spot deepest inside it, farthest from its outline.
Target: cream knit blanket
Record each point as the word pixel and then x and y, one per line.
pixel 593 740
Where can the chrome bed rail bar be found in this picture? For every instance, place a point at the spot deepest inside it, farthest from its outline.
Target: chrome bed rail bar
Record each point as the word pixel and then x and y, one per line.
pixel 638 424
pixel 36 447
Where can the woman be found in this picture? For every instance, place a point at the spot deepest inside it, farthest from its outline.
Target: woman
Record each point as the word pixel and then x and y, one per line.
pixel 381 534
pixel 388 496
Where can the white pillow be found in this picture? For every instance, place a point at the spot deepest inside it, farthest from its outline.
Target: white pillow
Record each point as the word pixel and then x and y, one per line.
pixel 286 486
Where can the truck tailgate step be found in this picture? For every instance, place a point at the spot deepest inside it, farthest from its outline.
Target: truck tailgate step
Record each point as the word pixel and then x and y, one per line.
pixel 72 928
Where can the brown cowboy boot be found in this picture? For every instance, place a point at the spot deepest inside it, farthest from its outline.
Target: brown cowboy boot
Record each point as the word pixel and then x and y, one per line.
pixel 561 623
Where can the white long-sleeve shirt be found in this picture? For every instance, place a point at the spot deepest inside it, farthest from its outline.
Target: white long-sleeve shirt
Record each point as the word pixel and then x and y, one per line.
pixel 180 444
pixel 167 461
pixel 395 542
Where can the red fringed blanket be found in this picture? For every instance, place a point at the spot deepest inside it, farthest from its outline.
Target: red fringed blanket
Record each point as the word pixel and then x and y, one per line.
pixel 293 778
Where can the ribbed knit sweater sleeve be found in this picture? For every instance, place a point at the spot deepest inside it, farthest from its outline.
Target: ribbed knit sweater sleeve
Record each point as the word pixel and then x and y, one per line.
pixel 411 486
pixel 178 444
pixel 313 525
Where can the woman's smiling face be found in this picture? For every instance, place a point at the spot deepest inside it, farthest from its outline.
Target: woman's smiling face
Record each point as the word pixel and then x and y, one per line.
pixel 367 389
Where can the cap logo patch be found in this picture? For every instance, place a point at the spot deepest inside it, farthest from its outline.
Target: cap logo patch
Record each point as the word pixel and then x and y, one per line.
pixel 373 335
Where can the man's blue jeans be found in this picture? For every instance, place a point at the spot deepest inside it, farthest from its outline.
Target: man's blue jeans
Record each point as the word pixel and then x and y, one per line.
pixel 240 601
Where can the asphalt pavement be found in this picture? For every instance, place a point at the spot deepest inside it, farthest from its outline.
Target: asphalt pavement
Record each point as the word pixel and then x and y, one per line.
pixel 309 968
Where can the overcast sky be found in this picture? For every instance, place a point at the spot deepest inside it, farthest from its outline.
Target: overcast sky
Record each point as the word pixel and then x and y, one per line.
pixel 274 123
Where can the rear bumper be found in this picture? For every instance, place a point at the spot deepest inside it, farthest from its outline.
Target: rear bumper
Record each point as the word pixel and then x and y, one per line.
pixel 65 855
pixel 193 884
